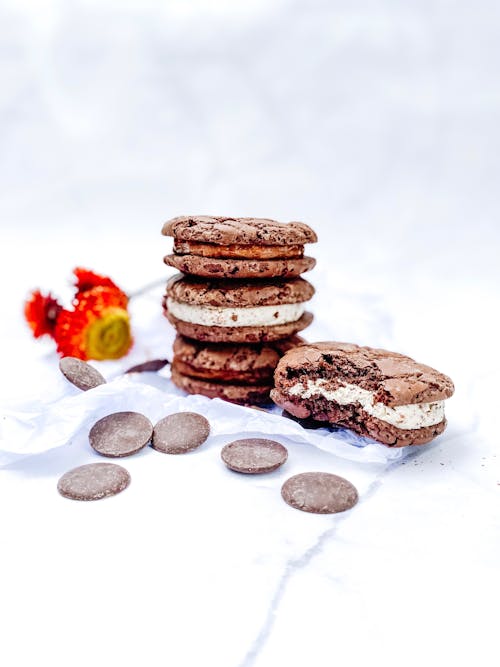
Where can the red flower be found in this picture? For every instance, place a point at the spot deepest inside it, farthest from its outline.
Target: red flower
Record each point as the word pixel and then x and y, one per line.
pixel 98 327
pixel 41 313
pixel 86 280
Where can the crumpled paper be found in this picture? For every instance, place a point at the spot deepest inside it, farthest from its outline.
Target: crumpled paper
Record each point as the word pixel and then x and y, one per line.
pixel 58 414
pixel 39 426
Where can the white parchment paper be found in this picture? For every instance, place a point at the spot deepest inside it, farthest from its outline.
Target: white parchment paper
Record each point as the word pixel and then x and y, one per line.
pixel 38 426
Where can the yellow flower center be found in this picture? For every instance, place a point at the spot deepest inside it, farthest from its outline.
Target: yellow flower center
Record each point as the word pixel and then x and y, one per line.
pixel 109 337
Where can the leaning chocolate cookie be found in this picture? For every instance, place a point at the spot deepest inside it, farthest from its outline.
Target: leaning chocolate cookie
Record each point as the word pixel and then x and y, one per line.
pixel 237 311
pixel 239 248
pixel 380 394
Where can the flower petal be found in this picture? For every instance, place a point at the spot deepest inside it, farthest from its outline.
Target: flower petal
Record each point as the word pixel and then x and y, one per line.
pixel 98 327
pixel 41 312
pixel 86 280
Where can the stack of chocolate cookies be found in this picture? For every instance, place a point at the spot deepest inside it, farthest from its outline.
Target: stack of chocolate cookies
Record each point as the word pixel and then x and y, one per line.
pixel 237 304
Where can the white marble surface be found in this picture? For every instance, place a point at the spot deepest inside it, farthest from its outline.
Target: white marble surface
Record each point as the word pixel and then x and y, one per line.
pixel 377 123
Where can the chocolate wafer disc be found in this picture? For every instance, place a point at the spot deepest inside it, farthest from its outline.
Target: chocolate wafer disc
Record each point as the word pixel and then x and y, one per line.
pixel 180 432
pixel 151 366
pixel 254 455
pixel 93 481
pixel 82 375
pixel 120 434
pixel 319 492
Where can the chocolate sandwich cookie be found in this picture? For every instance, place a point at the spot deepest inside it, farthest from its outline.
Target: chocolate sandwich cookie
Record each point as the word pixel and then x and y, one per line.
pixel 383 395
pixel 231 362
pixel 241 248
pixel 237 311
pixel 236 373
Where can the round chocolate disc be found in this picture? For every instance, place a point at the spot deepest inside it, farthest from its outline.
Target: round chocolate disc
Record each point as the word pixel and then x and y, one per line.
pixel 254 455
pixel 82 375
pixel 120 434
pixel 93 481
pixel 180 432
pixel 319 492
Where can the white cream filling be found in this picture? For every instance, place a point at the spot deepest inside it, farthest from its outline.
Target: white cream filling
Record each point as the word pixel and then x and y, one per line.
pixel 214 316
pixel 413 415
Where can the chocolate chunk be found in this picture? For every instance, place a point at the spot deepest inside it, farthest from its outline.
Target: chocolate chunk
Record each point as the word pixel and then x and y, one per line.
pixel 149 366
pixel 319 493
pixel 120 434
pixel 82 375
pixel 93 481
pixel 254 455
pixel 180 432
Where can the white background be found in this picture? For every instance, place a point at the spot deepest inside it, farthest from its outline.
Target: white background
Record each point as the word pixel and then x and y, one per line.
pixel 376 122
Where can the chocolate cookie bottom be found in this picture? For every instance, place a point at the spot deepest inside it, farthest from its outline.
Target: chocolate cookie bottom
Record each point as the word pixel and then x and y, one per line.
pixel 212 267
pixel 234 393
pixel 355 418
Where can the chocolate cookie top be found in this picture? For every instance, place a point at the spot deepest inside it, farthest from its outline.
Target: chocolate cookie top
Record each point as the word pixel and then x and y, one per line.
pixel 221 229
pixel 395 378
pixel 237 293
